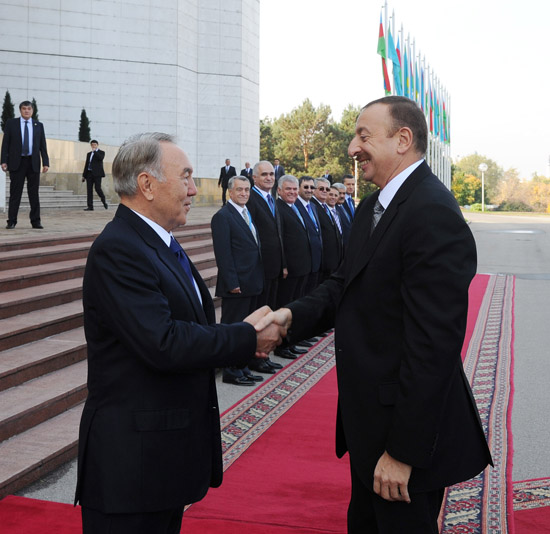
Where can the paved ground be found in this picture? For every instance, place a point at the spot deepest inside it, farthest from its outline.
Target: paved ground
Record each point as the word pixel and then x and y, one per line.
pixel 518 245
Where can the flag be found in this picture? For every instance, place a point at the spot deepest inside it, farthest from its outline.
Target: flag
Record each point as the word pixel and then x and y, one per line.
pixel 416 84
pixel 406 78
pixel 422 91
pixel 382 52
pixel 396 61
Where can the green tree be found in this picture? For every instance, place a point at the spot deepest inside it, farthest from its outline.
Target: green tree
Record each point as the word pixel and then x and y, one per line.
pixel 470 165
pixel 466 188
pixel 84 134
pixel 8 110
pixel 34 110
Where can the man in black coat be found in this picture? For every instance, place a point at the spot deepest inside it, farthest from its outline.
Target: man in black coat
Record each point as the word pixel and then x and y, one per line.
pixel 399 304
pixel 226 172
pixel 248 172
pixel 279 171
pixel 345 217
pixel 23 144
pixel 149 440
pixel 93 173
pixel 332 238
pixel 240 279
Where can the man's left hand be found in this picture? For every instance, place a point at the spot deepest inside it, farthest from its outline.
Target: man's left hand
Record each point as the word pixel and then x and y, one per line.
pixel 391 479
pixel 45 169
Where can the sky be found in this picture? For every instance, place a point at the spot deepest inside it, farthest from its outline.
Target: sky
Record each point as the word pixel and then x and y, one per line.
pixel 492 57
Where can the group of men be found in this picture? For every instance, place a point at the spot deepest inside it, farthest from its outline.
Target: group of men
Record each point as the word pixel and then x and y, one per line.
pixel 150 439
pixel 274 249
pixel 23 147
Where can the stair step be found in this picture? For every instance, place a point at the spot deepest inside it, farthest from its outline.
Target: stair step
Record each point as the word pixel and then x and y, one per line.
pixel 33 402
pixel 13 259
pixel 29 327
pixel 26 362
pixel 35 275
pixel 30 299
pixel 29 456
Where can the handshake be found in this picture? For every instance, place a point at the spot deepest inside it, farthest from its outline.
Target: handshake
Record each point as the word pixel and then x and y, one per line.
pixel 271 327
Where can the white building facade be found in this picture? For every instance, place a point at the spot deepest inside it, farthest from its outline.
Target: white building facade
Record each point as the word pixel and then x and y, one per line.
pixel 185 67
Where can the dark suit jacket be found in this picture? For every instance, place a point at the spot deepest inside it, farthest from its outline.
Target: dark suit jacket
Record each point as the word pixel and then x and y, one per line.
pixel 345 221
pixel 295 241
pixel 150 434
pixel 329 178
pixel 314 233
pixel 248 173
pixel 12 145
pixel 237 255
pixel 97 164
pixel 269 228
pixel 332 239
pixel 225 175
pixel 399 303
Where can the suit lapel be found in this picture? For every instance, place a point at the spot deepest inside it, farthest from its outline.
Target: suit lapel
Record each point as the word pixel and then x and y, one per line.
pixel 247 232
pixel 166 256
pixel 363 221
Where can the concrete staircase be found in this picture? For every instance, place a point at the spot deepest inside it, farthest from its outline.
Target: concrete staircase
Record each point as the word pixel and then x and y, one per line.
pixel 43 349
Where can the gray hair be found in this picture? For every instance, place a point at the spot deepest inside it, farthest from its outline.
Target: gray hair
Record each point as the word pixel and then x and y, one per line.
pixel 339 186
pixel 139 153
pixel 233 179
pixel 287 178
pixel 263 162
pixel 319 180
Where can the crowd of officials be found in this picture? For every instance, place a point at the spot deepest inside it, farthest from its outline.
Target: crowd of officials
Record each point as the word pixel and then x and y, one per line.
pixel 276 239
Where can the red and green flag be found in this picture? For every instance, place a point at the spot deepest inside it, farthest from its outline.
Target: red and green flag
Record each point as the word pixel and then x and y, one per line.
pixel 382 52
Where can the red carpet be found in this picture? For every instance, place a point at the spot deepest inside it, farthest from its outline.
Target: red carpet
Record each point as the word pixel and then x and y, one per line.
pixel 285 478
pixel 532 506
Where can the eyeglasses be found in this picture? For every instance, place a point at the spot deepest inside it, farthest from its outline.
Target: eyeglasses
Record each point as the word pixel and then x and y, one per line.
pixel 324 188
pixel 308 186
pixel 267 174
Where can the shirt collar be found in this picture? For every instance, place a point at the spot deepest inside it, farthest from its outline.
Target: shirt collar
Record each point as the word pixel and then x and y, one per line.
pixel 304 202
pixel 161 232
pixel 387 194
pixel 240 209
pixel 263 193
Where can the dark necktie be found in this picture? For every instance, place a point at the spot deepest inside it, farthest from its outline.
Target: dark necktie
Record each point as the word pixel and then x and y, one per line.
pixel 351 206
pixel 271 204
pixel 183 260
pixel 376 215
pixel 26 140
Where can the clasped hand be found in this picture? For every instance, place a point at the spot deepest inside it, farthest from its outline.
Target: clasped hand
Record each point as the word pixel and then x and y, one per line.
pixel 271 327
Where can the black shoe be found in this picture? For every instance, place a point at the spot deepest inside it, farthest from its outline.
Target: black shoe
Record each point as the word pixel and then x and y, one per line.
pixel 89 209
pixel 295 350
pixel 313 340
pixel 260 366
pixel 272 364
pixel 253 378
pixel 10 226
pixel 238 381
pixel 38 226
pixel 105 205
pixel 284 353
pixel 304 343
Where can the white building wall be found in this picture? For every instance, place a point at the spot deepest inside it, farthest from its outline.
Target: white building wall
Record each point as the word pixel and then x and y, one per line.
pixel 186 67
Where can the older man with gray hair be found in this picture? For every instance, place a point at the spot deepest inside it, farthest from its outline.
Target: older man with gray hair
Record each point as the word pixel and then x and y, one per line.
pixel 149 434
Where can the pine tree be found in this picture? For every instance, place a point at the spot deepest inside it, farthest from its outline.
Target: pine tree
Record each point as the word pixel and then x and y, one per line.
pixel 34 110
pixel 84 130
pixel 8 111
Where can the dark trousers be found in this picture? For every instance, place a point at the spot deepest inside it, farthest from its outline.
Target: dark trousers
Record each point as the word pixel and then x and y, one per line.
pixel 269 294
pixel 163 522
pixel 369 513
pixel 311 283
pixel 91 182
pixel 17 181
pixel 224 195
pixel 290 288
pixel 234 310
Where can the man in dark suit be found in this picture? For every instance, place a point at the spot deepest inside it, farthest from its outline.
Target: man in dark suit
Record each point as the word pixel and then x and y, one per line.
pixel 279 171
pixel 23 144
pixel 240 278
pixel 327 176
pixel 149 435
pixel 247 171
pixel 332 238
pixel 345 217
pixel 399 303
pixel 226 172
pixel 308 210
pixel 349 204
pixel 93 173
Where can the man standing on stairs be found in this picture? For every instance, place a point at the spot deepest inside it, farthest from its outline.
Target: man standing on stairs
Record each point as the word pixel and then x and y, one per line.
pixel 150 431
pixel 93 173
pixel 23 144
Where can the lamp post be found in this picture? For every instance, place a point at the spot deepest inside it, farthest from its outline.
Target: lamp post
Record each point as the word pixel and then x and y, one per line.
pixel 483 167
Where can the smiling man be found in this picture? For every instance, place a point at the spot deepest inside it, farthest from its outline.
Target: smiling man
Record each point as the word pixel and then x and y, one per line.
pixel 399 304
pixel 150 435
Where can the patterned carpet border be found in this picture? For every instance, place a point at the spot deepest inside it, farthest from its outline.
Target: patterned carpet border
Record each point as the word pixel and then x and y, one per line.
pixel 484 504
pixel 530 494
pixel 247 421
